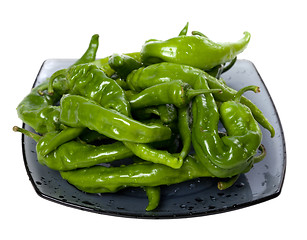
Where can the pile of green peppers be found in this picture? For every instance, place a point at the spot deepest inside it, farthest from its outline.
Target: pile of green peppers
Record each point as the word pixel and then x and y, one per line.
pixel 157 111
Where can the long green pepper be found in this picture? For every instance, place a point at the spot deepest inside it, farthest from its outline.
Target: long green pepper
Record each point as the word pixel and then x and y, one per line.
pixel 155 74
pixel 173 92
pixel 100 179
pixel 74 154
pixel 231 154
pixel 78 111
pixel 38 110
pixel 196 51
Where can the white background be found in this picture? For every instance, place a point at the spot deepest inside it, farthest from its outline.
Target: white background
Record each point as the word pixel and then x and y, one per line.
pixel 33 31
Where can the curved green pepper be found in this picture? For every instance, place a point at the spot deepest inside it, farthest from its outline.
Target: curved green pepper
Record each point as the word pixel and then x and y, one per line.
pixel 231 154
pixel 148 153
pixel 90 53
pixel 153 195
pixel 39 111
pixel 174 92
pixel 100 179
pixel 70 155
pixel 53 140
pixel 195 51
pixel 155 74
pixel 103 63
pixel 123 64
pixel 78 111
pixel 89 81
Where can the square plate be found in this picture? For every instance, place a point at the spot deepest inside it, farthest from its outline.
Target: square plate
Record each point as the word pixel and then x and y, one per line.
pixel 198 197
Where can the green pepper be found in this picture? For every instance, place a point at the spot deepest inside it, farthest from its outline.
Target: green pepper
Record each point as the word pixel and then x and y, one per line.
pixel 155 74
pixel 148 153
pixel 231 154
pixel 195 51
pixel 103 63
pixel 145 113
pixel 92 137
pixel 228 182
pixel 100 179
pixel 90 53
pixel 174 92
pixel 166 112
pixel 123 64
pixel 184 31
pixel 78 111
pixel 52 140
pixel 153 195
pixel 89 81
pixel 39 111
pixel 184 130
pixel 69 155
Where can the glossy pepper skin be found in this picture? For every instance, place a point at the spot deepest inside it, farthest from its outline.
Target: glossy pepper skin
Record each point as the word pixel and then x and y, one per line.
pixel 39 111
pixel 100 179
pixel 123 64
pixel 90 54
pixel 155 74
pixel 103 63
pixel 184 130
pixel 196 51
pixel 148 153
pixel 73 154
pixel 173 92
pixel 153 195
pixel 231 154
pixel 54 139
pixel 78 111
pixel 89 81
pixel 166 112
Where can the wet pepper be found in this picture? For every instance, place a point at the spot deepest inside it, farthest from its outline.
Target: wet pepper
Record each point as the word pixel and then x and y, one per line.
pixel 158 73
pixel 78 111
pixel 89 81
pixel 196 51
pixel 233 153
pixel 123 64
pixel 71 154
pixel 100 179
pixel 174 92
pixel 38 110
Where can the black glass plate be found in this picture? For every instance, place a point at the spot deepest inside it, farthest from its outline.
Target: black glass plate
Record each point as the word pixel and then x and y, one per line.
pixel 194 198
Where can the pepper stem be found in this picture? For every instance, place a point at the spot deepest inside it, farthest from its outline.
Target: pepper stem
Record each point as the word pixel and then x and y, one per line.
pixel 230 65
pixel 197 33
pixel 239 94
pixel 184 31
pixel 58 73
pixel 261 156
pixel 191 93
pixel 32 135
